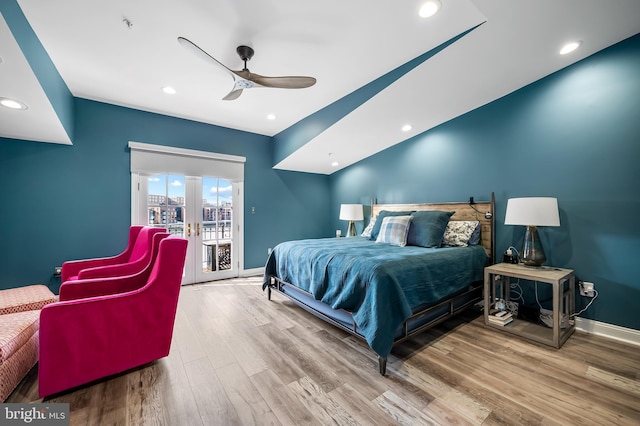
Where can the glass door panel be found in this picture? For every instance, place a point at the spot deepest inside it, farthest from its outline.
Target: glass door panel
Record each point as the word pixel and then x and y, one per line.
pixel 217 229
pixel 166 202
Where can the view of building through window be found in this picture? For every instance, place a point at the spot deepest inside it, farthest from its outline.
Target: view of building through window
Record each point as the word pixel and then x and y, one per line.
pixel 167 206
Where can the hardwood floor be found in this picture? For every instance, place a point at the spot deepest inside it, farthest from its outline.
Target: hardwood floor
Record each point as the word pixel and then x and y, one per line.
pixel 239 359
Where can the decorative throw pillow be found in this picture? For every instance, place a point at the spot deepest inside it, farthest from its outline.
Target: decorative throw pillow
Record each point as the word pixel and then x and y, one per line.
pixel 460 233
pixel 394 230
pixel 367 231
pixel 427 228
pixel 380 217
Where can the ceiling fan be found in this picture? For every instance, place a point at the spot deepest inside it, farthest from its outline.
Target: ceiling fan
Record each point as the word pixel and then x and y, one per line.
pixel 245 79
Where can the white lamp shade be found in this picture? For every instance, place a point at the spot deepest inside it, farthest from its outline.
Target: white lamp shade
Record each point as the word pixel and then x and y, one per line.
pixel 351 212
pixel 532 211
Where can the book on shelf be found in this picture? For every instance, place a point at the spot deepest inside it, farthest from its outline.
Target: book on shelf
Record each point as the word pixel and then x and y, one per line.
pixel 501 317
pixel 500 314
pixel 500 322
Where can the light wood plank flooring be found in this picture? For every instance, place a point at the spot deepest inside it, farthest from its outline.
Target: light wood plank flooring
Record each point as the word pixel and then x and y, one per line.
pixel 239 359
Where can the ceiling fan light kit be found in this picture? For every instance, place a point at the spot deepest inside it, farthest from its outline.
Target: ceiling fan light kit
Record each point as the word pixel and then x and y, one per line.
pixel 245 79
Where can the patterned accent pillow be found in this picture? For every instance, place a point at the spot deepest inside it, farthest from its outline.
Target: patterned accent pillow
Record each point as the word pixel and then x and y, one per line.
pixel 367 231
pixel 394 230
pixel 459 233
pixel 380 217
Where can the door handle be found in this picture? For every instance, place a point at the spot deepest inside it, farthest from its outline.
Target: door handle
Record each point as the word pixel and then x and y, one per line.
pixel 198 229
pixel 188 229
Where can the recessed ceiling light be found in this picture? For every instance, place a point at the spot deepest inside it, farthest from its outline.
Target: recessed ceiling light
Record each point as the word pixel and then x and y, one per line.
pixel 333 163
pixel 271 116
pixel 407 127
pixel 169 90
pixel 12 103
pixel 430 8
pixel 570 47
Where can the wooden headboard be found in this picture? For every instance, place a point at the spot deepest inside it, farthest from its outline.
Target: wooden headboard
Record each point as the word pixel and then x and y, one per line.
pixel 482 211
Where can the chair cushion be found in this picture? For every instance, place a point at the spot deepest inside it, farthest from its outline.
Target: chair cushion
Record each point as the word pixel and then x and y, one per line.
pixel 28 298
pixel 16 330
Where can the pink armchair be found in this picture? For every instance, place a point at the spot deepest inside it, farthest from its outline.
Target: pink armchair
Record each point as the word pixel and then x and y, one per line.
pixel 80 289
pixel 87 339
pixel 131 261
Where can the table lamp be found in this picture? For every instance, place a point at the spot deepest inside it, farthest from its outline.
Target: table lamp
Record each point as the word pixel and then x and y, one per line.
pixel 532 212
pixel 351 212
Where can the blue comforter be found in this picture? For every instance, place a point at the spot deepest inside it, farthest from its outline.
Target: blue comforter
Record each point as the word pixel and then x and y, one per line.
pixel 380 284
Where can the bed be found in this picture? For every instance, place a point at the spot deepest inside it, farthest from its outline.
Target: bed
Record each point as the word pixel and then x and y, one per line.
pixel 384 291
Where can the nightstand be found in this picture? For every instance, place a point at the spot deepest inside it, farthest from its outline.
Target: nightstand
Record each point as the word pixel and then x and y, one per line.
pixel 497 286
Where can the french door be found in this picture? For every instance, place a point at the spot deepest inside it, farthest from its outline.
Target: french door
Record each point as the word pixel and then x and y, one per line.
pixel 197 195
pixel 202 209
pixel 212 226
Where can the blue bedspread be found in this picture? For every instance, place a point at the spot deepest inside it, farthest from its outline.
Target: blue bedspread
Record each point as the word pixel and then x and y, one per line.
pixel 379 283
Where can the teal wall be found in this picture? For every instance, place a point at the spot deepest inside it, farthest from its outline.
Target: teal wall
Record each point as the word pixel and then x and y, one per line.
pixel 574 135
pixel 72 202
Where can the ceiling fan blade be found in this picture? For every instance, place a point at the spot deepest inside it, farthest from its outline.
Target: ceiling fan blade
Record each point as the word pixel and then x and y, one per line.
pixel 234 94
pixel 245 79
pixel 191 46
pixel 287 82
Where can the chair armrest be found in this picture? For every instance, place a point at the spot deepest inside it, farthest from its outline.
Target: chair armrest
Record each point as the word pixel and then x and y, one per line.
pixel 73 267
pixel 82 289
pixel 114 270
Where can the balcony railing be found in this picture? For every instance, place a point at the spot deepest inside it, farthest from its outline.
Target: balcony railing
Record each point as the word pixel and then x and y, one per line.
pixel 209 229
pixel 216 238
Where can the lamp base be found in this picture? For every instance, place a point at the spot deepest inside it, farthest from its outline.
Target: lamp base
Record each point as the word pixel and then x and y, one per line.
pixel 532 251
pixel 351 230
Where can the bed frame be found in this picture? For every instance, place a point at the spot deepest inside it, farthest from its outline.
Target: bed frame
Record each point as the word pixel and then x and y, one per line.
pixel 422 319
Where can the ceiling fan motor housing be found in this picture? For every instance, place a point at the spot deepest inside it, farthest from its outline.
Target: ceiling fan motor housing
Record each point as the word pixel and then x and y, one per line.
pixel 245 52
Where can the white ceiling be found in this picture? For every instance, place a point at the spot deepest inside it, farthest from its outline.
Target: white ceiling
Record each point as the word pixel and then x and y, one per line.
pixel 345 45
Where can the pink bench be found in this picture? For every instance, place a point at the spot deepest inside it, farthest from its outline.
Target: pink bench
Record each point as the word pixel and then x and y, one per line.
pixel 19 325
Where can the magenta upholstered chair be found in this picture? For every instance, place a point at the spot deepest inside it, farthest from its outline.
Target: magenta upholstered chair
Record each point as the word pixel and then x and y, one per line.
pixel 83 288
pixel 87 339
pixel 71 269
pixel 132 260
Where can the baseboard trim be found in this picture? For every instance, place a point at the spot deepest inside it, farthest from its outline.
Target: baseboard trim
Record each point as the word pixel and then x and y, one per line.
pixel 251 272
pixel 627 335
